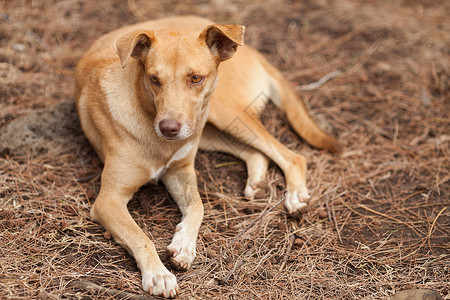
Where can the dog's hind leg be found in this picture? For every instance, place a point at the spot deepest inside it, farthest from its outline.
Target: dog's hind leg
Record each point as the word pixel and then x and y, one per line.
pixel 285 97
pixel 245 126
pixel 257 163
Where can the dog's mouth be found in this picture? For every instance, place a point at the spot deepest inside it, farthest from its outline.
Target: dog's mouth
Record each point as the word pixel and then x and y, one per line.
pixel 177 138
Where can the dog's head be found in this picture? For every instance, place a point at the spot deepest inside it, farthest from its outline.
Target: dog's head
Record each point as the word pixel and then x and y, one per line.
pixel 180 71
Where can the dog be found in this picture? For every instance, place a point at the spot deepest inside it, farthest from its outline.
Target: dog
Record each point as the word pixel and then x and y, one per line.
pixel 150 94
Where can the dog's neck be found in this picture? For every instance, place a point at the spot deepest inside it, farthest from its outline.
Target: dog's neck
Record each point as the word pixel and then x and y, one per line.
pixel 133 113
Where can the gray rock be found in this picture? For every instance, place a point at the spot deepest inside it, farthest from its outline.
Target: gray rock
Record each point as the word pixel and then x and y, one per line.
pixel 417 294
pixel 43 131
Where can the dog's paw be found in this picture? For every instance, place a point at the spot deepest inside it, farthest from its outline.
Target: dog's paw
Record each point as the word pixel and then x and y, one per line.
pixel 296 202
pixel 255 190
pixel 182 249
pixel 160 283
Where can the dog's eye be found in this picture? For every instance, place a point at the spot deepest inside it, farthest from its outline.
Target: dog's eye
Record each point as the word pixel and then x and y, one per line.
pixel 154 79
pixel 196 79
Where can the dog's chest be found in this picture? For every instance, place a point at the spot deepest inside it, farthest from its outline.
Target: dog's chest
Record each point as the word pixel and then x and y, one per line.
pixel 181 153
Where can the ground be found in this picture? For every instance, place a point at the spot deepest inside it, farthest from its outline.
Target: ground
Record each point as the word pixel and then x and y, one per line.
pixel 380 221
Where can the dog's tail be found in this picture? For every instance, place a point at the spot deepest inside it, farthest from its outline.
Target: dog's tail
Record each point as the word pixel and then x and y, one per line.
pixel 297 113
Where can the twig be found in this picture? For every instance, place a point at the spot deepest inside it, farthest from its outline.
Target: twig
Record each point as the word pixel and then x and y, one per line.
pixel 319 83
pixel 427 237
pixel 304 229
pixel 430 232
pixel 237 265
pixel 336 224
pixel 237 237
pixel 386 216
pixel 264 258
pixel 333 212
pixel 403 147
pixel 111 292
pixel 288 251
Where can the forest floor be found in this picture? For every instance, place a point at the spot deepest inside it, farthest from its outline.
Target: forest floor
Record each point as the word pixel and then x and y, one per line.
pixel 380 221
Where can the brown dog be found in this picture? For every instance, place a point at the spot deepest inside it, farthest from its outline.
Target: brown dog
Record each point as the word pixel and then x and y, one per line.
pixel 144 93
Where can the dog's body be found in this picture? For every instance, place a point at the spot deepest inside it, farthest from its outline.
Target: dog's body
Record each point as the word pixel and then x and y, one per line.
pixel 143 95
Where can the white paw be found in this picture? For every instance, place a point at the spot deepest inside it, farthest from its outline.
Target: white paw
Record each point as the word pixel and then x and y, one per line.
pixel 182 249
pixel 296 201
pixel 160 282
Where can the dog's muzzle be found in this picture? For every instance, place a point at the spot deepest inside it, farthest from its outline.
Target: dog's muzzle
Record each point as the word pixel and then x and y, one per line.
pixel 169 128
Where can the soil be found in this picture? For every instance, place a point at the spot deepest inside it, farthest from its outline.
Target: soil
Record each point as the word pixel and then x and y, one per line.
pixel 380 218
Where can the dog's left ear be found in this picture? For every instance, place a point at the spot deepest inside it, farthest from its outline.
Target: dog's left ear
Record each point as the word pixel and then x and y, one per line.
pixel 135 44
pixel 223 39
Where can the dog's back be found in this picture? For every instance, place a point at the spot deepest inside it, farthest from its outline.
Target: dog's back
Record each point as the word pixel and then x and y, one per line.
pixel 246 83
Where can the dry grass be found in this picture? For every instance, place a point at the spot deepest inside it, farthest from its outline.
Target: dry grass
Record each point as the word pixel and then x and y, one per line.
pixel 380 222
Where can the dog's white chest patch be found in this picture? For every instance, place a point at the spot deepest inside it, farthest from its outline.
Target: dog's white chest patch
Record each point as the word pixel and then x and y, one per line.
pixel 181 153
pixel 156 174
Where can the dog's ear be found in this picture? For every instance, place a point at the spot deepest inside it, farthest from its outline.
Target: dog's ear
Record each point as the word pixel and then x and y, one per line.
pixel 135 44
pixel 223 39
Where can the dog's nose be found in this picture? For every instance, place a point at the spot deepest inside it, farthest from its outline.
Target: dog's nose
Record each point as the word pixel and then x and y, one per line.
pixel 169 128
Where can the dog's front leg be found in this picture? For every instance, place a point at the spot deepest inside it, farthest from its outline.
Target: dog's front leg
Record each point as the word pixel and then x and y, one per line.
pixel 119 182
pixel 181 182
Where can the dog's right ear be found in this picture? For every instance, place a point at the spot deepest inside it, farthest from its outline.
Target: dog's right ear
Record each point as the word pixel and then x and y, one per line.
pixel 135 44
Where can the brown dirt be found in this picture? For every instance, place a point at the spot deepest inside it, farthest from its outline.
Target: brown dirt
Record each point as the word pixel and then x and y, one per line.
pixel 380 222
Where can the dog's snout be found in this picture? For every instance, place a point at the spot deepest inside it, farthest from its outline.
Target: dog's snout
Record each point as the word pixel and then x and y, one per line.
pixel 169 128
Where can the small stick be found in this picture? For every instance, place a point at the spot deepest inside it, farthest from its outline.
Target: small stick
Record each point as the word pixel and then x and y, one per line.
pixel 237 266
pixel 319 83
pixel 288 251
pixel 333 212
pixel 386 216
pixel 336 224
pixel 223 251
pixel 111 292
pixel 430 232
pixel 237 237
